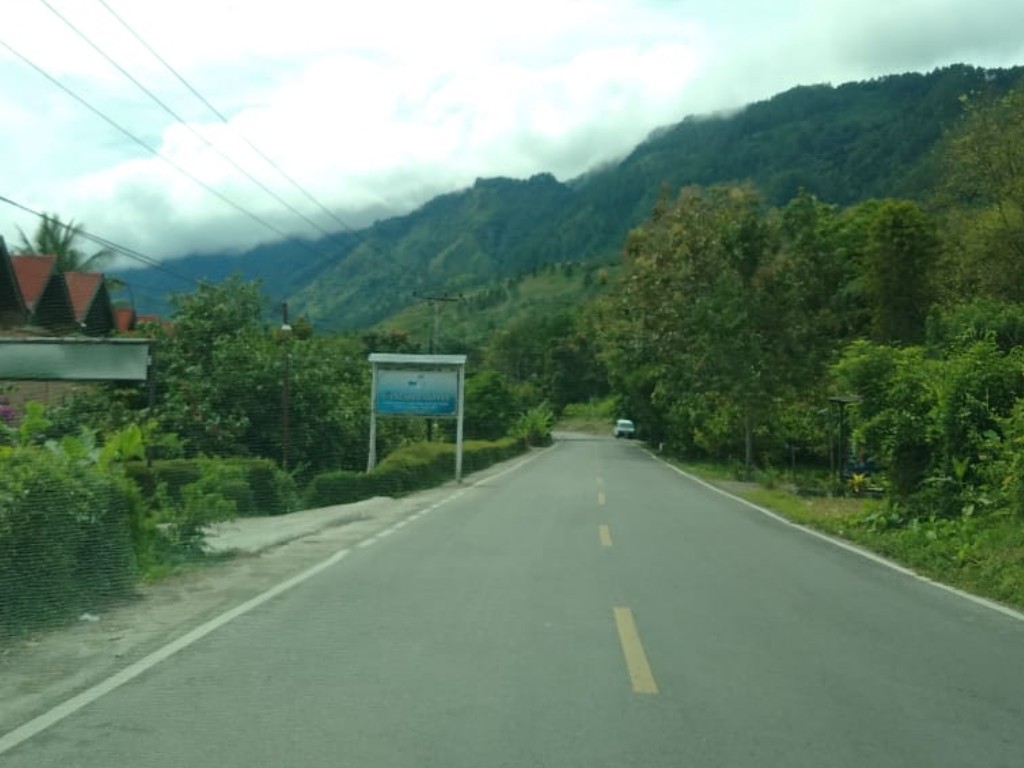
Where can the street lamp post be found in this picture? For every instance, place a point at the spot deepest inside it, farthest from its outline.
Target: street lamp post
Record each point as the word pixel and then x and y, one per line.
pixel 286 332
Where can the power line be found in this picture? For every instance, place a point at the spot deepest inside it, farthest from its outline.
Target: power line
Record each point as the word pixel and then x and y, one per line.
pixel 163 105
pixel 184 172
pixel 131 253
pixel 223 118
pixel 308 195
pixel 149 148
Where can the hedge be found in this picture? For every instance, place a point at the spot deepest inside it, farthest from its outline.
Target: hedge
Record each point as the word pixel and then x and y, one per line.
pixel 417 466
pixel 257 486
pixel 66 537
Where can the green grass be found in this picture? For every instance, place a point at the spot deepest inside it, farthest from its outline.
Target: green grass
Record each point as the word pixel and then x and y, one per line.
pixel 179 564
pixel 983 555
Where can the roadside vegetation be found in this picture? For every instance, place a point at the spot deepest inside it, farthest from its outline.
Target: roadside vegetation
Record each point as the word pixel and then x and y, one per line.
pixel 862 363
pixel 873 354
pixel 118 484
pixel 979 553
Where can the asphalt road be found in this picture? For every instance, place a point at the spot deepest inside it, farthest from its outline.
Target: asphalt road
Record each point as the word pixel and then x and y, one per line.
pixel 590 608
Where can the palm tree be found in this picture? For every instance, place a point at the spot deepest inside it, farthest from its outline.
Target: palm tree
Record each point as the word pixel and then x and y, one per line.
pixel 55 238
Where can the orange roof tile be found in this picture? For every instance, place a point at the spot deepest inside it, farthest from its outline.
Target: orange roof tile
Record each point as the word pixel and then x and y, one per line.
pixel 82 287
pixel 33 273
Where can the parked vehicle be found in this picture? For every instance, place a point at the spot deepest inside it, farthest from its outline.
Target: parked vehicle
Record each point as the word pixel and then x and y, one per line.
pixel 624 428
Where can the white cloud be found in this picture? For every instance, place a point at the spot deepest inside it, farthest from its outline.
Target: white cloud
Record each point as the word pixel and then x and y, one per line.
pixel 382 105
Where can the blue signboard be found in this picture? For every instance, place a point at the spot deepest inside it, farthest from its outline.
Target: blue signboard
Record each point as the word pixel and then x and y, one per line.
pixel 417 393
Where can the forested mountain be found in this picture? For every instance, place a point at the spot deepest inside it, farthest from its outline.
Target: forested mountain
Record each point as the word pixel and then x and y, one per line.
pixel 455 241
pixel 283 267
pixel 843 144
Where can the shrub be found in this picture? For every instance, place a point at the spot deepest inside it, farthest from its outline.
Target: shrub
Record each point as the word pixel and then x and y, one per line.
pixel 204 503
pixel 257 486
pixel 534 426
pixel 338 487
pixel 66 537
pixel 412 468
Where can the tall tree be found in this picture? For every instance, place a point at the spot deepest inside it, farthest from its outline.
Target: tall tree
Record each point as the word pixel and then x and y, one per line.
pixel 902 250
pixel 695 336
pixel 984 187
pixel 54 237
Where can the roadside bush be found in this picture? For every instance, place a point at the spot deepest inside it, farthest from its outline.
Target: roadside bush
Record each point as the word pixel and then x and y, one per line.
pixel 534 426
pixel 66 540
pixel 417 466
pixel 256 486
pixel 338 487
pixel 199 505
pixel 477 455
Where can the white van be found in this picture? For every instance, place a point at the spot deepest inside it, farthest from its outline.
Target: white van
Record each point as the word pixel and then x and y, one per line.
pixel 624 428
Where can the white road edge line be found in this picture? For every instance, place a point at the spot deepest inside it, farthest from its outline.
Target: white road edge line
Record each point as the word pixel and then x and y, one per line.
pixel 26 731
pixel 70 706
pixel 867 554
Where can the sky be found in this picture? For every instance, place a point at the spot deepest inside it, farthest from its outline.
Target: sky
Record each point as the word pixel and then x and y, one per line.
pixel 366 110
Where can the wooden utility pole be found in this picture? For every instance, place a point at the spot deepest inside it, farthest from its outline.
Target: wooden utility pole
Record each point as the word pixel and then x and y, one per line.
pixel 436 301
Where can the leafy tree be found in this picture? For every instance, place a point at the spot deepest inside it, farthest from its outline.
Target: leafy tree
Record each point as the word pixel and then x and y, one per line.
pixel 984 194
pixel 389 340
pixel 549 358
pixel 491 406
pixel 899 401
pixel 55 238
pixel 978 319
pixel 933 422
pixel 695 336
pixel 902 249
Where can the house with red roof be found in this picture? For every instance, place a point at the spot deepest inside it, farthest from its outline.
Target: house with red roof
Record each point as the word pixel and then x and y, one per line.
pixel 44 292
pixel 36 298
pixel 91 303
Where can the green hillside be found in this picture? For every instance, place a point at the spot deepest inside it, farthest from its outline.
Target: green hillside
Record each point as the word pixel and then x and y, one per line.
pixel 843 143
pixel 465 324
pixel 454 242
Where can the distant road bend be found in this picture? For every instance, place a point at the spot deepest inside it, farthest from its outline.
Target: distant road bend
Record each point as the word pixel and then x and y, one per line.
pixel 591 607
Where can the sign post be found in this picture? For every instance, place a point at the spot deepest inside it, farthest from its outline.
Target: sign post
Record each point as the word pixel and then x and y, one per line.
pixel 417 385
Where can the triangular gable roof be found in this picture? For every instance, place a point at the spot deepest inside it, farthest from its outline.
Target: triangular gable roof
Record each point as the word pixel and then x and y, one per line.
pixel 33 273
pixel 82 288
pixel 10 293
pixel 45 292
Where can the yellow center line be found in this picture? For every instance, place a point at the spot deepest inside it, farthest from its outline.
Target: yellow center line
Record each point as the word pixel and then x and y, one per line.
pixel 636 660
pixel 605 535
pixel 600 492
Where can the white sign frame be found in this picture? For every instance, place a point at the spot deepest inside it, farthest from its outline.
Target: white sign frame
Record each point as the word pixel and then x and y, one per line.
pixel 418 385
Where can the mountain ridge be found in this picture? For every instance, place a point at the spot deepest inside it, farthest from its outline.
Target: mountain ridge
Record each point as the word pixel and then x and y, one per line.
pixel 844 143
